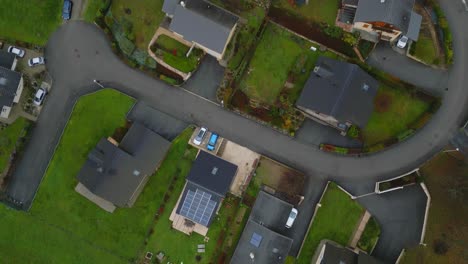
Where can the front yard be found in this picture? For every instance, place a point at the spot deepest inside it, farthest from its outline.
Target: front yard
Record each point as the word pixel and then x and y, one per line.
pixel 29 20
pixel 317 10
pixel 425 50
pixel 446 234
pixel 9 137
pixel 335 220
pixel 395 111
pixel 174 53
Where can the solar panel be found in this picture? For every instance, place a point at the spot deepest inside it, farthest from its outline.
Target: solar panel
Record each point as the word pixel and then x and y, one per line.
pixel 256 239
pixel 198 206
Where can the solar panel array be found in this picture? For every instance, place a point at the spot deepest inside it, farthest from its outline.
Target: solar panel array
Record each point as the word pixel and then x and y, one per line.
pixel 198 207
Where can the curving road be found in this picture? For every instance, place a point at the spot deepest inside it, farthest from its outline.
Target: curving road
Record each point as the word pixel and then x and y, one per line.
pixel 78 52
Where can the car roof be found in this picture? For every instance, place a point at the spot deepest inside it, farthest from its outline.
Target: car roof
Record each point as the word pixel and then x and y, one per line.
pixel 40 92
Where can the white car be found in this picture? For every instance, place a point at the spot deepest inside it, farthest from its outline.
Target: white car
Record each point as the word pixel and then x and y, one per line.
pixel 36 61
pixel 402 42
pixel 39 97
pixel 291 218
pixel 199 138
pixel 17 51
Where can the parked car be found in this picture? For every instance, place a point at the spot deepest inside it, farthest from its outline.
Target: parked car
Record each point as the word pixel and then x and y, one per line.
pixel 39 97
pixel 402 42
pixel 67 9
pixel 17 51
pixel 36 61
pixel 212 142
pixel 291 218
pixel 199 138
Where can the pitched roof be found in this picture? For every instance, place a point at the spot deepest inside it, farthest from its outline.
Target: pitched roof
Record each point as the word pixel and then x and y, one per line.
pixel 265 245
pixel 212 173
pixel 204 23
pixel 335 254
pixel 340 89
pixel 271 211
pixel 115 173
pixel 396 12
pixel 6 59
pixel 9 82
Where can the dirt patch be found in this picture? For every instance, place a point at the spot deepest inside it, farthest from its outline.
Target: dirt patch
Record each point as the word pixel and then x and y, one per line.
pixel 382 102
pixel 281 178
pixel 240 100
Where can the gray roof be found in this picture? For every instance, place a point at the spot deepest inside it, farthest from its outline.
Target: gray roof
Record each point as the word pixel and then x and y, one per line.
pixel 335 254
pixel 270 247
pixel 169 6
pixel 399 13
pixel 212 173
pixel 114 173
pixel 9 82
pixel 271 211
pixel 6 59
pixel 204 23
pixel 340 89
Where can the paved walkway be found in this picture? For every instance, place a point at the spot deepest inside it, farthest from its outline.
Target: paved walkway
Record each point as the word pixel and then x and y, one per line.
pixel 359 229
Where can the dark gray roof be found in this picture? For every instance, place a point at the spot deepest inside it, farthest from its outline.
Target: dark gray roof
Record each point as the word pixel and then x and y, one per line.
pixel 194 187
pixel 115 173
pixel 9 82
pixel 169 6
pixel 350 2
pixel 414 26
pixel 271 212
pixel 340 89
pixel 6 59
pixel 272 248
pixel 212 173
pixel 204 23
pixel 335 254
pixel 395 12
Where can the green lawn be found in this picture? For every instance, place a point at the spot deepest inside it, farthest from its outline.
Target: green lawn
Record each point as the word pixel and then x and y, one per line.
pixel 144 15
pixel 277 55
pixel 174 53
pixel 446 232
pixel 316 10
pixel 370 236
pixel 29 20
pixel 335 220
pixel 91 9
pixel 395 110
pixel 8 140
pixel 424 49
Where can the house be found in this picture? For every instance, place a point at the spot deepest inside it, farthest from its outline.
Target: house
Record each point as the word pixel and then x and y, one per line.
pixel 338 94
pixel 207 184
pixel 207 26
pixel 115 174
pixel 11 83
pixel 380 19
pixel 329 252
pixel 264 238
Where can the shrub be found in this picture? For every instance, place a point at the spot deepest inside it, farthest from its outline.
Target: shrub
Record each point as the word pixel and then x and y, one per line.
pixel 333 31
pixel 353 132
pixel 440 247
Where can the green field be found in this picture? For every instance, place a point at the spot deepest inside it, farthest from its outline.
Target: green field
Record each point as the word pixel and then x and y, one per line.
pixel 144 15
pixel 316 10
pixel 174 53
pixel 275 58
pixel 29 20
pixel 8 140
pixel 395 110
pixel 424 49
pixel 335 220
pixel 91 9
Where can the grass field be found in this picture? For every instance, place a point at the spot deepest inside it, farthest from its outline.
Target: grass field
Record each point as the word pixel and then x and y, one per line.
pixel 145 16
pixel 29 20
pixel 275 57
pixel 446 233
pixel 316 10
pixel 395 110
pixel 424 49
pixel 91 9
pixel 335 220
pixel 8 138
pixel 174 53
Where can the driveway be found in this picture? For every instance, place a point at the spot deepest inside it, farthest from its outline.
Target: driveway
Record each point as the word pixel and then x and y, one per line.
pixel 401 217
pixel 314 134
pixel 206 80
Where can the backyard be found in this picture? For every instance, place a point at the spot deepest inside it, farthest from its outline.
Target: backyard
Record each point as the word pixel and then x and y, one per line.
pixel 316 10
pixel 174 53
pixel 446 234
pixel 39 18
pixel 395 111
pixel 335 220
pixel 144 16
pixel 425 50
pixel 8 140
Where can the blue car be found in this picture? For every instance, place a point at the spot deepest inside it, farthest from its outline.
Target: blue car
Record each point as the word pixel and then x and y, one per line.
pixel 67 8
pixel 212 143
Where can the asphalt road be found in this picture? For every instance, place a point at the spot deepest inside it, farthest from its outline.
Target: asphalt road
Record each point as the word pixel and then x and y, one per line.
pixel 78 52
